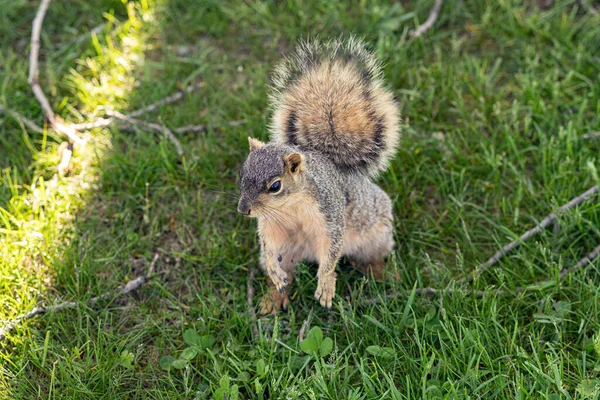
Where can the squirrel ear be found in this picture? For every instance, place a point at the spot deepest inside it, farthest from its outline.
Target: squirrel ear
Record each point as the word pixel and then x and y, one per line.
pixel 254 144
pixel 293 162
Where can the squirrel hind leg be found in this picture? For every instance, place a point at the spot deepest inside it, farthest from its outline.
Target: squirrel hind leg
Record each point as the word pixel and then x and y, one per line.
pixel 274 300
pixel 369 249
pixel 373 268
pixel 378 270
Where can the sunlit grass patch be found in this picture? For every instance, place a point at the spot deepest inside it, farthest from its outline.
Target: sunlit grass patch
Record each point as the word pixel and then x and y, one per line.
pixel 38 213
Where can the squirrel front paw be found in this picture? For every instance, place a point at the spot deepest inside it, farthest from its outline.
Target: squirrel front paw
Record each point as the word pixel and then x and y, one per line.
pixel 279 278
pixel 325 291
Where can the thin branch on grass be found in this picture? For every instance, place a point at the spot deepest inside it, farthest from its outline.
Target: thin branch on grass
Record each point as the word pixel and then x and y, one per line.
pixel 589 7
pixel 250 301
pixel 305 325
pixel 167 100
pixel 70 130
pixel 121 290
pixel 530 233
pixel 102 122
pixel 61 47
pixel 591 135
pixel 429 291
pixel 426 291
pixel 204 128
pixel 98 123
pixel 163 129
pixel 591 256
pixel 191 129
pixel 94 31
pixel 565 271
pixel 25 121
pixel 55 121
pixel 428 24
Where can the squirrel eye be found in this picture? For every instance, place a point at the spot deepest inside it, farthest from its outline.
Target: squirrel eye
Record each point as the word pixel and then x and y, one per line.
pixel 275 187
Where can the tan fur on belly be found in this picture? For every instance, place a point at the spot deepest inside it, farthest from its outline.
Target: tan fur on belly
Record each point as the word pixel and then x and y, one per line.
pixel 299 220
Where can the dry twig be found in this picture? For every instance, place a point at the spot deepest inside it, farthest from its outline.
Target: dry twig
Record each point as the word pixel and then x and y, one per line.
pixel 565 271
pixel 25 121
pixel 204 128
pixel 305 325
pixel 61 47
pixel 433 16
pixel 250 301
pixel 591 135
pixel 426 291
pixel 71 129
pixel 55 121
pixel 94 31
pixel 98 123
pixel 429 291
pixel 167 100
pixel 581 263
pixel 163 129
pixel 589 7
pixel 124 289
pixel 530 233
pixel 101 122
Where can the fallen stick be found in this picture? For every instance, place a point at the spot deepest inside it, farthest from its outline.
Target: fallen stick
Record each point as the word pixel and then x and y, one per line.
pixel 530 233
pixel 102 122
pixel 191 129
pixel 429 291
pixel 204 128
pixel 426 291
pixel 94 31
pixel 591 256
pixel 581 263
pixel 55 121
pixel 250 302
pixel 589 7
pixel 38 310
pixel 305 325
pixel 428 24
pixel 591 135
pixel 25 121
pixel 61 47
pixel 167 100
pixel 98 123
pixel 163 129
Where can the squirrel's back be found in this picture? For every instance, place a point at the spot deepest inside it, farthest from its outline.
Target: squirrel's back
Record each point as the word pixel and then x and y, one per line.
pixel 330 97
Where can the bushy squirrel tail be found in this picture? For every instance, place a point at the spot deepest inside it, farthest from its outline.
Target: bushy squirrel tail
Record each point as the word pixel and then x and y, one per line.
pixel 330 97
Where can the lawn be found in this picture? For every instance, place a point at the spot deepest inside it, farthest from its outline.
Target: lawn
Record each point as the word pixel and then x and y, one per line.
pixel 501 108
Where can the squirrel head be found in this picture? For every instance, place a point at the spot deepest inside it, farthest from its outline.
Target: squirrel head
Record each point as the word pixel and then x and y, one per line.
pixel 270 175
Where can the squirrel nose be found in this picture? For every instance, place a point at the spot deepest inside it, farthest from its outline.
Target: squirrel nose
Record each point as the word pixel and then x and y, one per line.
pixel 244 207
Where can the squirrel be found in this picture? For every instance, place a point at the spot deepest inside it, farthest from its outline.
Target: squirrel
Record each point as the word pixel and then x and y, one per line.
pixel 334 127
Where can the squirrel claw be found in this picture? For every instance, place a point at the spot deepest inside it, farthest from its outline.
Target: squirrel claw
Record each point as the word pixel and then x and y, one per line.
pixel 281 287
pixel 280 279
pixel 324 296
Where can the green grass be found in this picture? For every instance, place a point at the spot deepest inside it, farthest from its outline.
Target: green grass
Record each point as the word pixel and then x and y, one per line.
pixel 495 100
